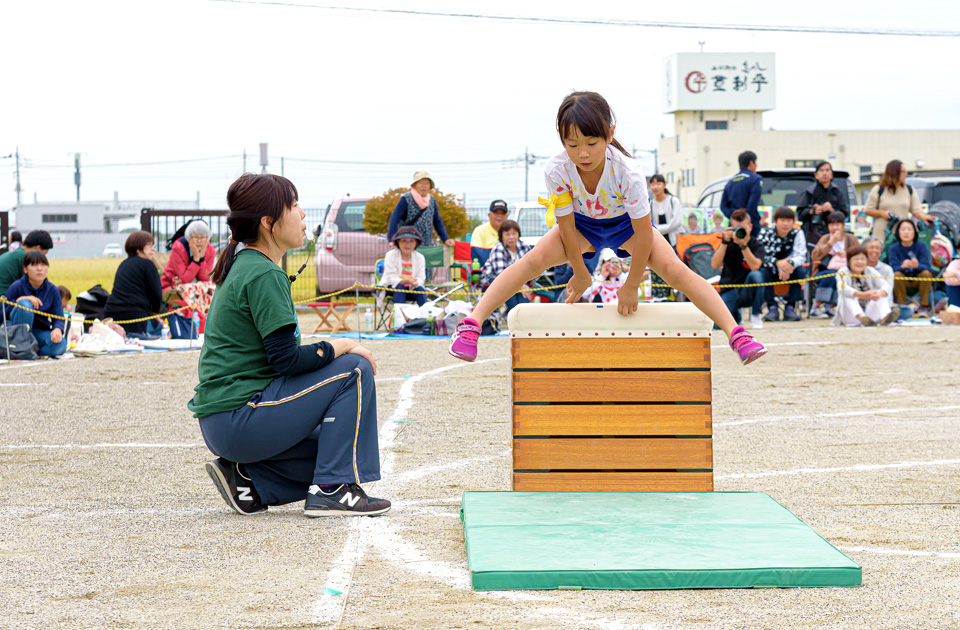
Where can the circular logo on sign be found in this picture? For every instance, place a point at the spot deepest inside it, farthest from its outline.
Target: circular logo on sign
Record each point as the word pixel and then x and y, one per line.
pixel 696 82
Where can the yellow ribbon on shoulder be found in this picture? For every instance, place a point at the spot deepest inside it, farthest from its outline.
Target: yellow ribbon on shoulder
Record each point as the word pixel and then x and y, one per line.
pixel 551 204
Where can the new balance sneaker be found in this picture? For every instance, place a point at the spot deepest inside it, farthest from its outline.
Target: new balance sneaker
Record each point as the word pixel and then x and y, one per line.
pixel 463 344
pixel 756 322
pixel 819 311
pixel 746 346
pixel 891 316
pixel 773 314
pixel 347 499
pixel 235 487
pixel 790 315
pixel 831 311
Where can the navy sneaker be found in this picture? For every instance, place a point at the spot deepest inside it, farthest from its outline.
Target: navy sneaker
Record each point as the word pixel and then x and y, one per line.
pixel 235 488
pixel 790 315
pixel 773 314
pixel 347 499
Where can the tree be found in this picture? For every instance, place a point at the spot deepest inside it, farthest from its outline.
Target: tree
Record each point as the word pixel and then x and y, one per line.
pixel 376 217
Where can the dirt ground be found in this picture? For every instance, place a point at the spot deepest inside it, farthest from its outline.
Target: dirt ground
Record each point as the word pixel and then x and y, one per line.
pixel 109 520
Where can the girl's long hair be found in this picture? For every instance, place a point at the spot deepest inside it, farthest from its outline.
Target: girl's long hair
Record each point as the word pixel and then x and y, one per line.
pixel 590 113
pixel 658 177
pixel 250 198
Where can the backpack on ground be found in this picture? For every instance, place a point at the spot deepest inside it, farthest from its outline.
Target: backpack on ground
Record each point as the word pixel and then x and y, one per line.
pixel 17 343
pixel 698 257
pixel 91 303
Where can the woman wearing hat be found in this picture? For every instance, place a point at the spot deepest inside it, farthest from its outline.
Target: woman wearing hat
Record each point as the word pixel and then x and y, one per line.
pixel 404 267
pixel 418 208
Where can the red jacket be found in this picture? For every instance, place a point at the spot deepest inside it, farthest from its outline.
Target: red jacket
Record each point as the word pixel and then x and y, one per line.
pixel 181 265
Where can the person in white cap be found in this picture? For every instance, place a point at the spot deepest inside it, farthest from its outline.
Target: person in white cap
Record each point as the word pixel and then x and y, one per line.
pixel 418 208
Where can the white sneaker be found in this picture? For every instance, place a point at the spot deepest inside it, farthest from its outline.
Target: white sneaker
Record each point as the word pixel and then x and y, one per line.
pixel 756 322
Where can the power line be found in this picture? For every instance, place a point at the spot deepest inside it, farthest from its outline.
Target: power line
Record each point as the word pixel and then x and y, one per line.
pixel 360 163
pixel 832 30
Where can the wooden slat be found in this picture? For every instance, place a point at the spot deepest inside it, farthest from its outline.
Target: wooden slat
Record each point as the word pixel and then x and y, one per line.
pixel 612 420
pixel 612 453
pixel 596 353
pixel 614 482
pixel 577 386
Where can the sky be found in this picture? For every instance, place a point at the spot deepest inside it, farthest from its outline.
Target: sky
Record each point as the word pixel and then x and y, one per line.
pixel 132 82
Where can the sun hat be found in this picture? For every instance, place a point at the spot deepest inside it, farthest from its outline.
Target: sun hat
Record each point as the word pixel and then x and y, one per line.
pixel 407 231
pixel 498 205
pixel 608 254
pixel 422 175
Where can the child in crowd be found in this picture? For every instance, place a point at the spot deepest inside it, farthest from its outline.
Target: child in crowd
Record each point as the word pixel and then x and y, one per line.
pixel 65 297
pixel 404 267
pixel 34 291
pixel 599 198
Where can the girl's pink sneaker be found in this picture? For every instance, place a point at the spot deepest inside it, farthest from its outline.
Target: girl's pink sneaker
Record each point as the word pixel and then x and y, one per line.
pixel 463 344
pixel 743 343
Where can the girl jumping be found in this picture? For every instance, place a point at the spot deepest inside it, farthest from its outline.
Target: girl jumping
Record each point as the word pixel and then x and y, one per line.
pixel 599 197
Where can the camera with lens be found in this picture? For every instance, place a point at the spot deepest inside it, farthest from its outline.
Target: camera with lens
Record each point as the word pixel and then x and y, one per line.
pixel 816 219
pixel 740 232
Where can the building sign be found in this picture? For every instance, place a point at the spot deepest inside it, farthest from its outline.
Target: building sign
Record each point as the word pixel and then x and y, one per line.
pixel 719 81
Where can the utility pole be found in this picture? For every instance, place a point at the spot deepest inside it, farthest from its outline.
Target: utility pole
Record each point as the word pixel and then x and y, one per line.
pixel 263 157
pixel 76 173
pixel 281 166
pixel 244 160
pixel 526 173
pixel 18 176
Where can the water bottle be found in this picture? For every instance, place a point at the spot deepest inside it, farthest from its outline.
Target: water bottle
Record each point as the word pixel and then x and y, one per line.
pixel 368 321
pixel 195 333
pixel 165 331
pixel 475 272
pixel 429 328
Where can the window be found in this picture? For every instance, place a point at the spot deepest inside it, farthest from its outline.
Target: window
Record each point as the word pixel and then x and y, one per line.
pixel 956 162
pixel 688 177
pixel 716 124
pixel 59 218
pixel 801 163
pixel 677 143
pixel 350 217
pixel 866 172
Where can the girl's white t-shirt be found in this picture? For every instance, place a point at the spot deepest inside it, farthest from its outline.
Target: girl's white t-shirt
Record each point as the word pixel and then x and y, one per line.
pixel 622 188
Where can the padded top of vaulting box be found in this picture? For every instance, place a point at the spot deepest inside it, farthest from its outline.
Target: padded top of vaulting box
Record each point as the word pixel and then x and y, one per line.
pixel 652 319
pixel 644 540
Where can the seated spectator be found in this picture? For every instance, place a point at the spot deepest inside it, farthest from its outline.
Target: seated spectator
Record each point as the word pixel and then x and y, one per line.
pixel 910 259
pixel 563 273
pixel 508 250
pixel 65 297
pixel 404 267
pixel 741 258
pixel 11 263
pixel 862 301
pixel 607 279
pixel 34 291
pixel 189 268
pixel 487 234
pixel 874 249
pixel 786 252
pixel 951 276
pixel 15 241
pixel 829 256
pixel 136 285
pixel 693 225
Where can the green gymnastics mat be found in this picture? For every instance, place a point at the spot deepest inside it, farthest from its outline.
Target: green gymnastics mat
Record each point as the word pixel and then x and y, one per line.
pixel 644 540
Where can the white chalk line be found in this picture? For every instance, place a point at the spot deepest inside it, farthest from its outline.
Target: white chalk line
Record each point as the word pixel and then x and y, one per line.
pixel 431 470
pixel 17 447
pixel 331 605
pixel 901 552
pixel 840 414
pixel 858 468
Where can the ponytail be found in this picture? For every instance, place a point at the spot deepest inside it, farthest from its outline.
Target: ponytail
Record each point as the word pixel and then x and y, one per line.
pixel 251 198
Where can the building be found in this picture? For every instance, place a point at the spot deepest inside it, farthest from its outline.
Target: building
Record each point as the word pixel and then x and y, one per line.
pixel 83 229
pixel 718 100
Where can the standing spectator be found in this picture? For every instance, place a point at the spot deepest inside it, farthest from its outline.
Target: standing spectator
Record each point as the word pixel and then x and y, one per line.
pixel 829 256
pixel 743 190
pixel 819 201
pixel 893 199
pixel 910 260
pixel 863 300
pixel 508 250
pixel 11 263
pixel 693 225
pixel 741 257
pixel 418 208
pixel 136 286
pixel 488 234
pixel 34 291
pixel 874 249
pixel 404 267
pixel 15 241
pixel 786 252
pixel 666 210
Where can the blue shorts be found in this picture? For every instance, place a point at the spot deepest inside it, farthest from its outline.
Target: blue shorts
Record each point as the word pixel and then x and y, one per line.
pixel 602 233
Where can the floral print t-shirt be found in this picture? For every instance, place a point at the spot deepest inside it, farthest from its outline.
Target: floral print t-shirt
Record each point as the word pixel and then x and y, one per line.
pixel 622 188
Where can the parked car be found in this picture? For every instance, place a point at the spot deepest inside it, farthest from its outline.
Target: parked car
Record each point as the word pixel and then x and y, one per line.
pixel 781 187
pixel 934 187
pixel 532 218
pixel 113 250
pixel 346 253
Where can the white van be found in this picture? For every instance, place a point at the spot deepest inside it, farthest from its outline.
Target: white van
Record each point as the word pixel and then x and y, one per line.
pixel 532 218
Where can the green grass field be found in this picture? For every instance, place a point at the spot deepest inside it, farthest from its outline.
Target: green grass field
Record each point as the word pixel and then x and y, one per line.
pixel 79 274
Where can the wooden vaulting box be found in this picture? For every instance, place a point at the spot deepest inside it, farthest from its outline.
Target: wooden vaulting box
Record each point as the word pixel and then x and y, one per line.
pixel 608 402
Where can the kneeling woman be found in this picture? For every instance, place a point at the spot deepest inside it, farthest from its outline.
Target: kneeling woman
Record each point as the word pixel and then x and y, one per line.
pixel 288 422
